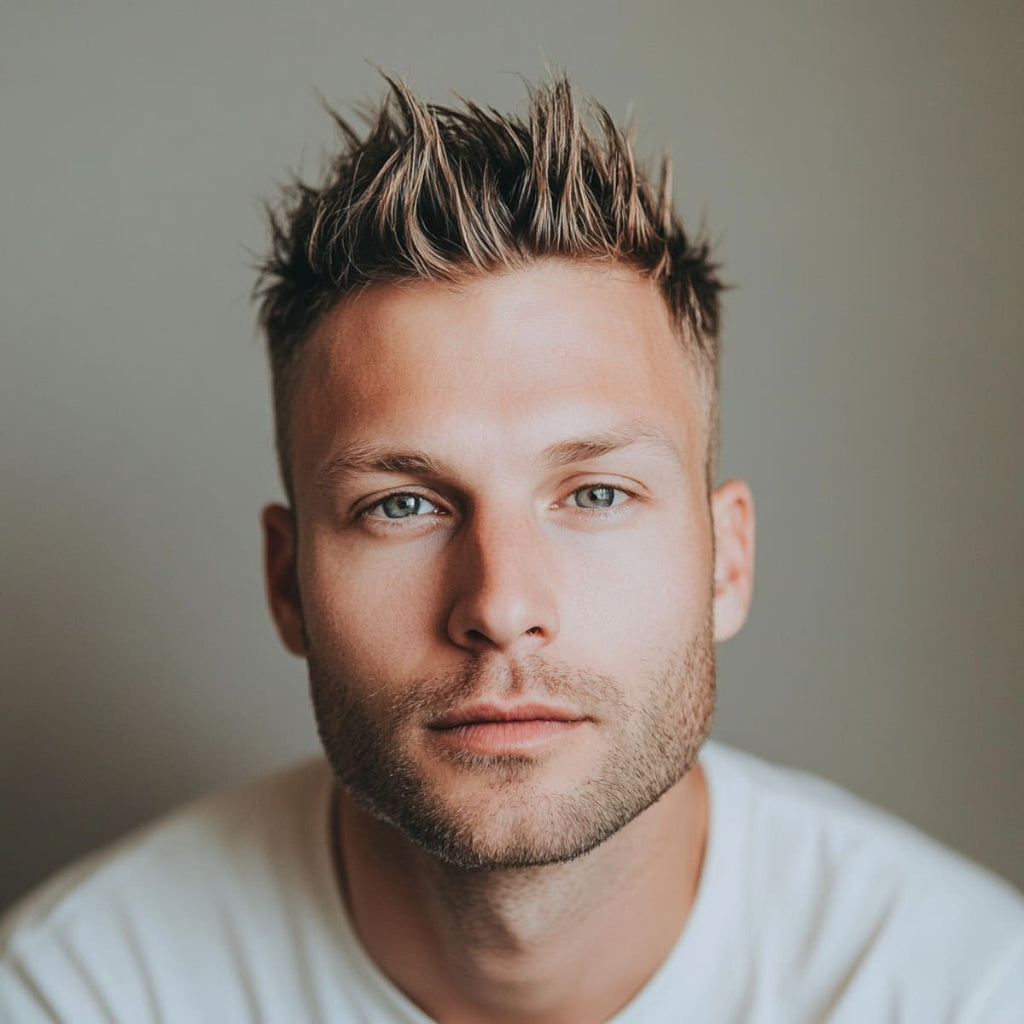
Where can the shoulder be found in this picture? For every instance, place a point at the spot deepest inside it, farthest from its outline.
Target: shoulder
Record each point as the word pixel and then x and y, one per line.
pixel 799 815
pixel 839 889
pixel 174 899
pixel 198 843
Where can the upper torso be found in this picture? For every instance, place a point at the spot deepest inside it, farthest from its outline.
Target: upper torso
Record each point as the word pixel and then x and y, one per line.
pixel 811 906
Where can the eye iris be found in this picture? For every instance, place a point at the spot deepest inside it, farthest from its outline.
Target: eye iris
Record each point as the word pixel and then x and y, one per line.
pixel 596 497
pixel 398 506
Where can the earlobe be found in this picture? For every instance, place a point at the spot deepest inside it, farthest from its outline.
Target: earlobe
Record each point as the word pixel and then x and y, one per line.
pixel 732 509
pixel 282 585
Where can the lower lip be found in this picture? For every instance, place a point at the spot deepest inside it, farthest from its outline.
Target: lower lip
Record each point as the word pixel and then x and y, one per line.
pixel 518 737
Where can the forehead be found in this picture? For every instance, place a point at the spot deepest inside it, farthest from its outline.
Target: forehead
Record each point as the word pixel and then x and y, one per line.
pixel 520 357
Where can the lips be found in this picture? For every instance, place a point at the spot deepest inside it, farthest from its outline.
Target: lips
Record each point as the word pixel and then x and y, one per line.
pixel 486 714
pixel 530 731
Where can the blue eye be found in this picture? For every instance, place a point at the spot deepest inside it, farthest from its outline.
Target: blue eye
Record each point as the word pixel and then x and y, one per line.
pixel 403 506
pixel 598 497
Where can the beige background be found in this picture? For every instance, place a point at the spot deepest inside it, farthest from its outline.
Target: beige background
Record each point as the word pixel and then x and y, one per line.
pixel 861 165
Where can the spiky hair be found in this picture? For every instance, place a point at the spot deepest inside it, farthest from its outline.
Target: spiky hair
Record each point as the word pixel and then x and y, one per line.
pixel 443 193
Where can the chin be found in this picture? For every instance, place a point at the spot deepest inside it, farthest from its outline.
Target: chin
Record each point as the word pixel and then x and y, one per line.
pixel 516 824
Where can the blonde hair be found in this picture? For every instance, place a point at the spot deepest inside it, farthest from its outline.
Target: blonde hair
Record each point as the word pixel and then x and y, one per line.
pixel 444 193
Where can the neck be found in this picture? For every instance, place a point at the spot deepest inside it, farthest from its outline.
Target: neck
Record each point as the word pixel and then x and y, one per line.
pixel 566 942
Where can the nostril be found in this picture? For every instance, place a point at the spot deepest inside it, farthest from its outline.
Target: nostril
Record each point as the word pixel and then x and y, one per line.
pixel 476 636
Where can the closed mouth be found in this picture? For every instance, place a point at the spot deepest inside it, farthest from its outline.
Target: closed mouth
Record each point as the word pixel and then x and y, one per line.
pixel 483 714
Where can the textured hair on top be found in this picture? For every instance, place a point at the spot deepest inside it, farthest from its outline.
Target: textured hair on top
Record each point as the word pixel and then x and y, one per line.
pixel 441 193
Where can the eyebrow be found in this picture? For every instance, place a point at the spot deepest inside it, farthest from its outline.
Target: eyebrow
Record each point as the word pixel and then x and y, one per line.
pixel 367 457
pixel 604 442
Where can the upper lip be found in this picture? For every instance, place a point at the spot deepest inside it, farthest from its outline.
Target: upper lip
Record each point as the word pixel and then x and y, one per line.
pixel 473 714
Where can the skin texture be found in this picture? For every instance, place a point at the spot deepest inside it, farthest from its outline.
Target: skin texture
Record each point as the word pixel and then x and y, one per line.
pixel 543 429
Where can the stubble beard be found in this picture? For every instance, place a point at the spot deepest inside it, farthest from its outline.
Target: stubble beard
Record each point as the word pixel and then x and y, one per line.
pixel 514 823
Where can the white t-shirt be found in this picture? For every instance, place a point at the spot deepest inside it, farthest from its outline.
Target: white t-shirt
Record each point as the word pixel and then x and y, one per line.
pixel 812 906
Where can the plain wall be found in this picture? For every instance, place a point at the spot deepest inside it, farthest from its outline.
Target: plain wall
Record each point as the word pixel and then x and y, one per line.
pixel 860 165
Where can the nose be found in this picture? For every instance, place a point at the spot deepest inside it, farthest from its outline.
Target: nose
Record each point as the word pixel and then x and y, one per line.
pixel 503 593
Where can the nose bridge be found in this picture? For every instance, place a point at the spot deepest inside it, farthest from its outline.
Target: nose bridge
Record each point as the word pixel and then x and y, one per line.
pixel 504 593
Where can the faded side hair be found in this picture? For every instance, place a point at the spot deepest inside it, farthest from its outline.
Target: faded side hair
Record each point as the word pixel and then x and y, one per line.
pixel 443 193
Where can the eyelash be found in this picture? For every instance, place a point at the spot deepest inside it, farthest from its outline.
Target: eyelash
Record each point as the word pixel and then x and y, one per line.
pixel 630 496
pixel 367 513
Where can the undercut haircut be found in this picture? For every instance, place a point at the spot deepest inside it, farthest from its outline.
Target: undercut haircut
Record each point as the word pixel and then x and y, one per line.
pixel 442 193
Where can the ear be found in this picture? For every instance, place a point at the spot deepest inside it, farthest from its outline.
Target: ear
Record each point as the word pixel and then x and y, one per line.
pixel 281 577
pixel 732 511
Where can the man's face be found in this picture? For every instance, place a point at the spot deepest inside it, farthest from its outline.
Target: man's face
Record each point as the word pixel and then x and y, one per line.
pixel 504 567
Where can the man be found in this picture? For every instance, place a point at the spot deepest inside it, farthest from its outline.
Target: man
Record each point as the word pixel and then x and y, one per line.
pixel 495 354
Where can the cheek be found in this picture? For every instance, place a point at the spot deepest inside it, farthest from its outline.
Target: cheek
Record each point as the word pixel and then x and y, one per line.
pixel 369 615
pixel 637 592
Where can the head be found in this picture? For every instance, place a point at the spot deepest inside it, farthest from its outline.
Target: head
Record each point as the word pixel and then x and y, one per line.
pixel 494 354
